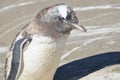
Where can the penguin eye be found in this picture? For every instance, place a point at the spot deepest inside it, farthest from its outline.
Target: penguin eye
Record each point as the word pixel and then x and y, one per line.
pixel 63 18
pixel 68 17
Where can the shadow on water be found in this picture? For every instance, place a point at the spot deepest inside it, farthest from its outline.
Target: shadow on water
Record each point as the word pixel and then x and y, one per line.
pixel 80 68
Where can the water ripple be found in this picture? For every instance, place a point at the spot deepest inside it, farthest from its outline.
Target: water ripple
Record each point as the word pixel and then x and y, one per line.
pixel 13 28
pixel 113 6
pixel 99 16
pixel 3 49
pixel 68 53
pixel 16 5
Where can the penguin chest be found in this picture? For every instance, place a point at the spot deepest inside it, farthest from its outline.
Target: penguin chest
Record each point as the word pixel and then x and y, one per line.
pixel 42 58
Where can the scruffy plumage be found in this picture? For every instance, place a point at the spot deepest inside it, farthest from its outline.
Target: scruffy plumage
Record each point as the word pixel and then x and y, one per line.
pixel 35 53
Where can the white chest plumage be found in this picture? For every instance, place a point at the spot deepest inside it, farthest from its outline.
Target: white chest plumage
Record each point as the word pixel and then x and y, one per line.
pixel 42 57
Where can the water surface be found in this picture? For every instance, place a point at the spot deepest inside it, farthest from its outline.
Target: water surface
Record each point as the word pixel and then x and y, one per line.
pixel 100 17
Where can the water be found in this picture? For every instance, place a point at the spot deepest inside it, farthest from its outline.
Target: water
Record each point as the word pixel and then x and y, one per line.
pixel 100 17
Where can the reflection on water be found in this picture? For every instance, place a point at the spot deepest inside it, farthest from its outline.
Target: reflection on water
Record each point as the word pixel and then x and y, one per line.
pixel 100 17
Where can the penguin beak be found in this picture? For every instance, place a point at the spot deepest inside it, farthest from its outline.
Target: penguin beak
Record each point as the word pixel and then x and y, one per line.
pixel 79 27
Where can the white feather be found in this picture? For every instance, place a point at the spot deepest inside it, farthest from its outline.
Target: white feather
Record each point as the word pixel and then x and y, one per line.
pixel 63 10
